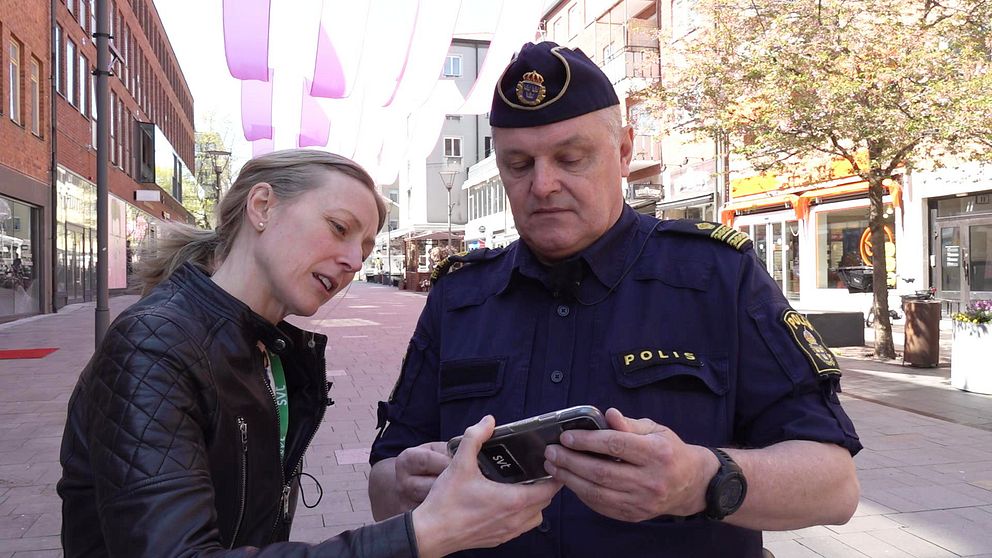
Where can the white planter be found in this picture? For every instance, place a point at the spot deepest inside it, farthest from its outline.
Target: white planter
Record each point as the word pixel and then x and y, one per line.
pixel 971 357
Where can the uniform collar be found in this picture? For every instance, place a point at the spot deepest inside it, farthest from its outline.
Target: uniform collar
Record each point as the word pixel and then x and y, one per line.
pixel 605 257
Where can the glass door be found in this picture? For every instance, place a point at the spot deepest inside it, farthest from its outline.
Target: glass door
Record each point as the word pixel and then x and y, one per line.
pixel 965 267
pixel 979 260
pixel 776 245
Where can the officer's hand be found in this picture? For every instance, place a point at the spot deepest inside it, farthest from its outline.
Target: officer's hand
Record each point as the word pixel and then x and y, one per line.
pixel 466 510
pixel 416 470
pixel 653 472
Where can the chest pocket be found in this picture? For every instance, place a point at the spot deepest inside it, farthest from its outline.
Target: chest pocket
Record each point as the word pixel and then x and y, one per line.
pixel 471 388
pixel 685 391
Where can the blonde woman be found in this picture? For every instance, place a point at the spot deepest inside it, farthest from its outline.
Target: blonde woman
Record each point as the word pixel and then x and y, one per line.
pixel 187 429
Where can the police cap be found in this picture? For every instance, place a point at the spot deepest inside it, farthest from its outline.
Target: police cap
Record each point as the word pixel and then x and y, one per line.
pixel 547 83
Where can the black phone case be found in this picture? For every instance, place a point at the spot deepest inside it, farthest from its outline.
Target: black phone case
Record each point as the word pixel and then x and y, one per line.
pixel 515 453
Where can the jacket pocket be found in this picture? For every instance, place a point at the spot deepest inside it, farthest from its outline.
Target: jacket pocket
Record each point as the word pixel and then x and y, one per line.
pixel 471 388
pixel 470 377
pixel 688 395
pixel 242 480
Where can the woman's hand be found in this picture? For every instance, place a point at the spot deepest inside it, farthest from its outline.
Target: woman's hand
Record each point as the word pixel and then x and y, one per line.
pixel 466 510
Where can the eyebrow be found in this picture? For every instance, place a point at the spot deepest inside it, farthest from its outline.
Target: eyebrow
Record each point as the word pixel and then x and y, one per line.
pixel 577 140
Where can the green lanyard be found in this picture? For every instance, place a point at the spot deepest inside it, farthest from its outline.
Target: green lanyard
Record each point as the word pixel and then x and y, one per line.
pixel 281 399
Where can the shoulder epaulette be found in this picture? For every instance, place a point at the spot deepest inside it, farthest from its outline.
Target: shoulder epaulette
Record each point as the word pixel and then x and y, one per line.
pixel 735 238
pixel 455 262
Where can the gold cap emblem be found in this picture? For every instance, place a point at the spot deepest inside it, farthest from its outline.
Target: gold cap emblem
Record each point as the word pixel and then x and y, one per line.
pixel 705 226
pixel 530 89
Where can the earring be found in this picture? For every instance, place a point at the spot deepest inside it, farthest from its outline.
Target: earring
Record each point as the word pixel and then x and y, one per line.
pixel 261 225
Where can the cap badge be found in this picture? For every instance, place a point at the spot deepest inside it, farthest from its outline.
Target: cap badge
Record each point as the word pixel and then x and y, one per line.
pixel 531 90
pixel 705 226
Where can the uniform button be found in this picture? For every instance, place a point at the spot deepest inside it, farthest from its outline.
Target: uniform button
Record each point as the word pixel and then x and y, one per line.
pixel 563 310
pixel 279 345
pixel 544 527
pixel 557 376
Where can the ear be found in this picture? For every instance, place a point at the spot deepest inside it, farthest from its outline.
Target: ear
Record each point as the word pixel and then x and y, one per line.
pixel 258 206
pixel 626 149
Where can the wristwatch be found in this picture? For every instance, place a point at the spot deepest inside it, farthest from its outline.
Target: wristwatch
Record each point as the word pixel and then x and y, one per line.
pixel 727 489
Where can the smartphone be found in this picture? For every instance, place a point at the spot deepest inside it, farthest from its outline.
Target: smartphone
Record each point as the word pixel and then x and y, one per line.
pixel 515 453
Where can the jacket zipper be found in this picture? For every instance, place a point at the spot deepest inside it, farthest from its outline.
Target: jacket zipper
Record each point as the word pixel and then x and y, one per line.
pixel 243 427
pixel 287 487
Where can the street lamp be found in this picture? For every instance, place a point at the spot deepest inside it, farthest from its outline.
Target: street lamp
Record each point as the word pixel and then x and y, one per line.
pixel 219 158
pixel 448 179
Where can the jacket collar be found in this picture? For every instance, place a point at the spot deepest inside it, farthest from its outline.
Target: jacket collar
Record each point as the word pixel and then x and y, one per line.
pixel 278 338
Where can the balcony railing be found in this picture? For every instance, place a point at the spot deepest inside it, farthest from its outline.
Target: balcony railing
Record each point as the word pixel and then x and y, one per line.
pixel 633 62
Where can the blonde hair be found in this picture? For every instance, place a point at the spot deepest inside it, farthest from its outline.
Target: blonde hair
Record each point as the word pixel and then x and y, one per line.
pixel 290 172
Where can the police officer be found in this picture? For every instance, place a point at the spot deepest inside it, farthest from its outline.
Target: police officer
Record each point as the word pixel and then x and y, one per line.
pixel 723 414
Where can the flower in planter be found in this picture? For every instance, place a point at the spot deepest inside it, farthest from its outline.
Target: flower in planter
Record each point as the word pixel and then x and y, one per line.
pixel 978 312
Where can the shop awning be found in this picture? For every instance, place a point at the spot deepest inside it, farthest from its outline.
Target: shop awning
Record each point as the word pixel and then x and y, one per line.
pixel 801 202
pixel 686 202
pixel 730 210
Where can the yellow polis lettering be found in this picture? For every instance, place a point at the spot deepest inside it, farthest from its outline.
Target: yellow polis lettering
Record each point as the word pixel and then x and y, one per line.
pixel 676 353
pixel 661 354
pixel 645 355
pixel 690 356
pixel 627 359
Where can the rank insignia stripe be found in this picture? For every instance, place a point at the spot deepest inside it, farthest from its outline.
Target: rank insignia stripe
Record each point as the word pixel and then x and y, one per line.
pixel 738 240
pixel 637 359
pixel 810 343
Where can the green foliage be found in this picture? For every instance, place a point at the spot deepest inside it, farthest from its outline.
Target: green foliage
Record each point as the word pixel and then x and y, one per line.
pixel 900 80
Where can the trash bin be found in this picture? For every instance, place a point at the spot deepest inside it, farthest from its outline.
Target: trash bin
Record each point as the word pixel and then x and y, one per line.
pixel 922 345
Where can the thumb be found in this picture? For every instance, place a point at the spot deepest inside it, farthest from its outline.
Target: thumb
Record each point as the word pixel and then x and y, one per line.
pixel 471 443
pixel 616 421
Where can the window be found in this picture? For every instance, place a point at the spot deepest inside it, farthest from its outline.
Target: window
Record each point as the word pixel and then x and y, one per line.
pixel 34 93
pixel 70 72
pixel 452 147
pixel 685 18
pixel 84 91
pixel 453 65
pixel 487 143
pixel 558 30
pixel 93 16
pixel 112 122
pixel 574 22
pixel 841 242
pixel 71 5
pixel 59 84
pixel 14 81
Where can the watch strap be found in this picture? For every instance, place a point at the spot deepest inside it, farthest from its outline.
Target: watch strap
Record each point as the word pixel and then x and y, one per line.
pixel 728 469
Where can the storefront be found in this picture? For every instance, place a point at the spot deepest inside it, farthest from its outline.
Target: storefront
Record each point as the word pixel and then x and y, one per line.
pixel 75 240
pixel 20 287
pixel 962 227
pixel 131 229
pixel 804 236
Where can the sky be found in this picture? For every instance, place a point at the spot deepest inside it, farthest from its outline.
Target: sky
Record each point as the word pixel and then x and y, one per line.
pixel 195 30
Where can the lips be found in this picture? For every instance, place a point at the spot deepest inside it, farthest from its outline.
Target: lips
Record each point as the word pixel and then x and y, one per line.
pixel 327 282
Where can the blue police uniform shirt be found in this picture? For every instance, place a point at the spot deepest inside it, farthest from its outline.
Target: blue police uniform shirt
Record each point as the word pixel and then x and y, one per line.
pixel 682 329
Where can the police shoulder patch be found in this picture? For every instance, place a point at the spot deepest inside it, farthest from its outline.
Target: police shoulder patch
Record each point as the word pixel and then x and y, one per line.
pixel 810 342
pixel 735 238
pixel 455 262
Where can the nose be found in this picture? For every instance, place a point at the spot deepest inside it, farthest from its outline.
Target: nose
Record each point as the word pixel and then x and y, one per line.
pixel 545 180
pixel 351 258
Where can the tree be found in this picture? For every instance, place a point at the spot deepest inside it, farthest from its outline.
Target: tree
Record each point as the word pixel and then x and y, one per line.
pixel 882 84
pixel 201 193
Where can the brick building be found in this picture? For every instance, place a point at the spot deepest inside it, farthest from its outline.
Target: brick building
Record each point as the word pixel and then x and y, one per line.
pixel 48 164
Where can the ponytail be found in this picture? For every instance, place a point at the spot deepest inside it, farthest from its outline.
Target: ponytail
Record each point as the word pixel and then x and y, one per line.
pixel 179 244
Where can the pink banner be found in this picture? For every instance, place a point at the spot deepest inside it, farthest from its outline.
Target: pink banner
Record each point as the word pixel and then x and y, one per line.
pixel 261 147
pixel 246 38
pixel 340 42
pixel 314 123
pixel 256 108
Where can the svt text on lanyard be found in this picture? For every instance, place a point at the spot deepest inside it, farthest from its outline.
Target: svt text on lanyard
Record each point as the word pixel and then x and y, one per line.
pixel 281 397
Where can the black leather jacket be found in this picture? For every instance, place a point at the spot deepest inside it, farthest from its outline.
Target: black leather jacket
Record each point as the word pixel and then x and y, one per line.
pixel 171 442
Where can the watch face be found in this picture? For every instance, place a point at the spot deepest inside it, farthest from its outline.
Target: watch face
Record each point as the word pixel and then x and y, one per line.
pixel 731 493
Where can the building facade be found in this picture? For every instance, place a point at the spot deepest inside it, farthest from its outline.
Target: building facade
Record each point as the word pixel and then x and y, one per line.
pixel 430 194
pixel 48 60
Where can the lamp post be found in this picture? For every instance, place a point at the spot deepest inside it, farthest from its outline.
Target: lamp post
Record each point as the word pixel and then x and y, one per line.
pixel 219 158
pixel 448 179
